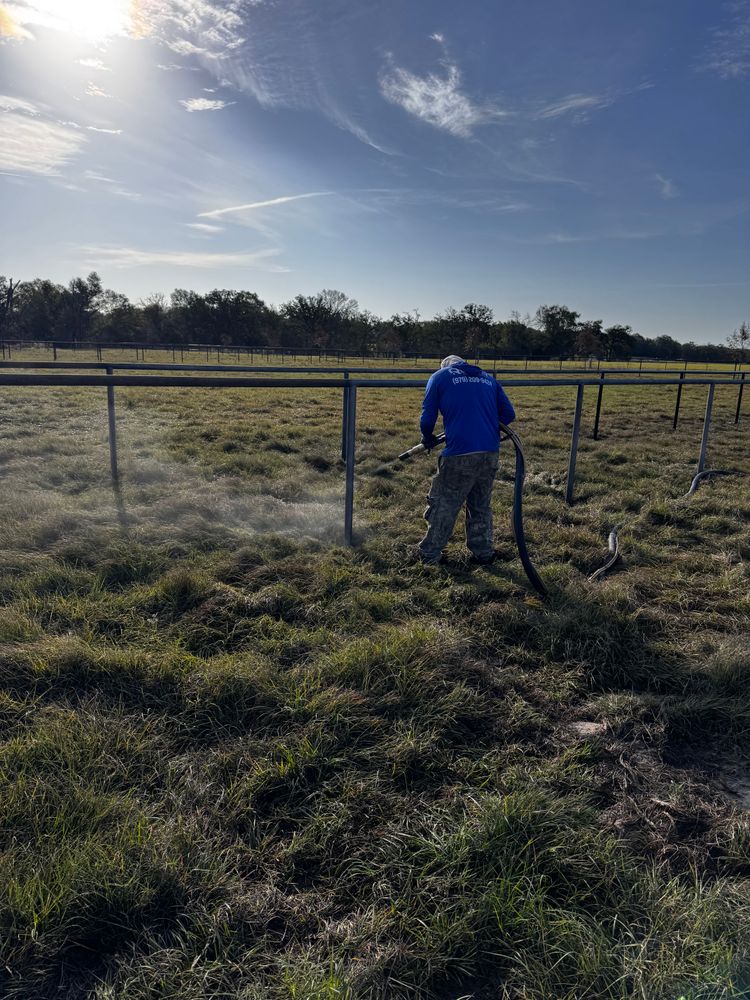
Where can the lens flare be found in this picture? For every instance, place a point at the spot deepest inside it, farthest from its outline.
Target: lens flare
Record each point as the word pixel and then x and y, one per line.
pixel 92 20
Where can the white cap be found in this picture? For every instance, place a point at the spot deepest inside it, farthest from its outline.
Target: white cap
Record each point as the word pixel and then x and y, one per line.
pixel 452 359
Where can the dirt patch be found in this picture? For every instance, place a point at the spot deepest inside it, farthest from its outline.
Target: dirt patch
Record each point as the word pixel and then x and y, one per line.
pixel 732 777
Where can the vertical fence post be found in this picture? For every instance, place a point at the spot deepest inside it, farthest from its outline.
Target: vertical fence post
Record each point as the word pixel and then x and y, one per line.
pixel 706 427
pixel 739 399
pixel 351 422
pixel 574 445
pixel 599 393
pixel 112 434
pixel 344 417
pixel 54 352
pixel 677 402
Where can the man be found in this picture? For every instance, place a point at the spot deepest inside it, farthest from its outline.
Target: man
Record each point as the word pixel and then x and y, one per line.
pixel 472 405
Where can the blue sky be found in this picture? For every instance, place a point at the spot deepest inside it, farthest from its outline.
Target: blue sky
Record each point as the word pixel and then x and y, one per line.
pixel 414 155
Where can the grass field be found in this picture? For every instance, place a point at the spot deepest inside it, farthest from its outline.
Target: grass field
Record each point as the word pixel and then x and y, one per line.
pixel 241 761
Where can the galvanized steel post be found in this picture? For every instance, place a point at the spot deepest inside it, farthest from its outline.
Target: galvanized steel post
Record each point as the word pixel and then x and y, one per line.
pixel 706 427
pixel 677 403
pixel 599 393
pixel 344 417
pixel 112 434
pixel 739 399
pixel 574 445
pixel 351 424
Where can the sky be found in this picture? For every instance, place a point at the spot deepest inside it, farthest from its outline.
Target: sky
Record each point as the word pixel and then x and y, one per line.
pixel 415 155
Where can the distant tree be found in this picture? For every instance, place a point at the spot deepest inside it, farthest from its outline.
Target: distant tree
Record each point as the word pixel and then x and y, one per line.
pixel 82 300
pixel 402 332
pixel 515 336
pixel 739 339
pixel 667 347
pixel 153 318
pixel 8 290
pixel 446 332
pixel 235 317
pixel 40 310
pixel 590 339
pixel 321 318
pixel 476 320
pixel 618 342
pixel 116 319
pixel 188 317
pixel 560 326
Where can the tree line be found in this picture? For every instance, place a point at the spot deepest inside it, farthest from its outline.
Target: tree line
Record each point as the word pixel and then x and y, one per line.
pixel 83 310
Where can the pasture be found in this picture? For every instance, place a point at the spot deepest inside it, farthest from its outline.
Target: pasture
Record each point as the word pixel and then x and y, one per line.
pixel 240 760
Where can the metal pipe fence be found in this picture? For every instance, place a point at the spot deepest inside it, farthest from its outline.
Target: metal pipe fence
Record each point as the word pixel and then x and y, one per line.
pixel 735 374
pixel 340 353
pixel 349 387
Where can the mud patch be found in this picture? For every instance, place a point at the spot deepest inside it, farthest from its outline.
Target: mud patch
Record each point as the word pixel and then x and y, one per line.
pixel 733 779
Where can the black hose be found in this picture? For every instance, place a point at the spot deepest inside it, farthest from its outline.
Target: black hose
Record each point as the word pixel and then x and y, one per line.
pixel 516 518
pixel 704 475
pixel 614 555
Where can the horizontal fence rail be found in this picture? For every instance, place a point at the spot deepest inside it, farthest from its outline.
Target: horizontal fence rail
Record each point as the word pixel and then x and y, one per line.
pixel 350 387
pixel 210 381
pixel 321 370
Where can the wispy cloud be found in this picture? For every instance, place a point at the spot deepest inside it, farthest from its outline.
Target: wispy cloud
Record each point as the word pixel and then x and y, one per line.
pixel 28 144
pixel 699 284
pixel 123 192
pixel 92 90
pixel 174 67
pixel 112 186
pixel 92 175
pixel 394 199
pixel 204 104
pixel 667 187
pixel 269 203
pixel 576 104
pixel 106 131
pixel 247 44
pixel 204 227
pixel 17 104
pixel 201 27
pixel 129 257
pixel 729 50
pixel 560 238
pixel 94 64
pixel 438 99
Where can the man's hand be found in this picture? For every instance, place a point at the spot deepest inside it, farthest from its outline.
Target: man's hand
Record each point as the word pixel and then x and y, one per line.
pixel 429 441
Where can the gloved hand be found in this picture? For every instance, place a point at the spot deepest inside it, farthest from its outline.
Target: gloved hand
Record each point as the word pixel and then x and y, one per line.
pixel 429 441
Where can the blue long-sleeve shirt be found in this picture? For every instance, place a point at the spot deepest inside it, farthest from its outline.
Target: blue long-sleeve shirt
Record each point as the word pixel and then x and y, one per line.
pixel 472 404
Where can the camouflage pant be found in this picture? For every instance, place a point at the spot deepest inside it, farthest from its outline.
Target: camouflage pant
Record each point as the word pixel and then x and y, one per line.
pixel 461 479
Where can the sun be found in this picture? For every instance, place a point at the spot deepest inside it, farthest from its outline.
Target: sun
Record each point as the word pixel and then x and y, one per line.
pixel 92 20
